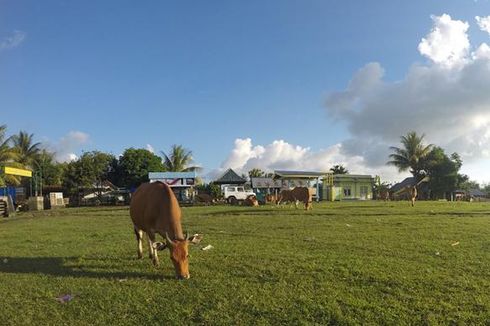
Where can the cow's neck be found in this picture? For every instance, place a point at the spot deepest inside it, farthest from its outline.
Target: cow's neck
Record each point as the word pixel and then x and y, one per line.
pixel 174 226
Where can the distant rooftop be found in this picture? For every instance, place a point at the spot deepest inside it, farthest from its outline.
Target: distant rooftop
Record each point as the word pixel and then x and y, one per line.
pixel 230 177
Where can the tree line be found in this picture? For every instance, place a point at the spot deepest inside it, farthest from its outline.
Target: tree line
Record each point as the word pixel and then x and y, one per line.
pixel 131 168
pixel 90 169
pixel 428 160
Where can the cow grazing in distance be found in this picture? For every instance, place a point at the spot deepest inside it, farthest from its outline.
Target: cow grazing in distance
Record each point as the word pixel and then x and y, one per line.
pixel 304 195
pixel 204 198
pixel 412 193
pixel 298 194
pixel 271 198
pixel 285 196
pixel 384 195
pixel 251 201
pixel 155 210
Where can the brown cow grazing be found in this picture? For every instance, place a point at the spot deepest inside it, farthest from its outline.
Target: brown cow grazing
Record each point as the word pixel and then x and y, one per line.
pixel 384 195
pixel 271 198
pixel 155 210
pixel 204 198
pixel 298 194
pixel 304 195
pixel 251 201
pixel 285 196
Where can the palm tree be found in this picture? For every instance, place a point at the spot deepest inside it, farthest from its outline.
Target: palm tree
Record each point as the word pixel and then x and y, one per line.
pixel 339 169
pixel 178 160
pixel 411 155
pixel 256 173
pixel 7 158
pixel 26 150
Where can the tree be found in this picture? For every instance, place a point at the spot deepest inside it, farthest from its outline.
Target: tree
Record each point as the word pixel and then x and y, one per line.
pixel 51 171
pixel 411 156
pixel 442 171
pixel 7 158
pixel 256 173
pixel 133 166
pixel 339 169
pixel 87 172
pixel 178 160
pixel 25 148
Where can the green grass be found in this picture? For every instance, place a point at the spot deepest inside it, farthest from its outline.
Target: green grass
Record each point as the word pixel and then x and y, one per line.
pixel 342 263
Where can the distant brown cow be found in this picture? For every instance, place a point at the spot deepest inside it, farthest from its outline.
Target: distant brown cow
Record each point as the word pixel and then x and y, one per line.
pixel 298 194
pixel 204 198
pixel 384 195
pixel 154 209
pixel 285 196
pixel 271 198
pixel 304 195
pixel 251 201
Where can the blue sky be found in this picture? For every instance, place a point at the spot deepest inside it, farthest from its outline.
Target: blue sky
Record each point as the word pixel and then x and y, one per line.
pixel 205 73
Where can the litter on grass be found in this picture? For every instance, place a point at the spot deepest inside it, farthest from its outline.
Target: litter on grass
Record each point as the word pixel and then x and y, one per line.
pixel 196 238
pixel 455 243
pixel 5 261
pixel 65 298
pixel 348 225
pixel 207 247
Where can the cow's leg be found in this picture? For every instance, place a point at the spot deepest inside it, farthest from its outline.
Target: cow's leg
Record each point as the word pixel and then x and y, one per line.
pixel 139 239
pixel 153 251
pixel 308 205
pixel 413 201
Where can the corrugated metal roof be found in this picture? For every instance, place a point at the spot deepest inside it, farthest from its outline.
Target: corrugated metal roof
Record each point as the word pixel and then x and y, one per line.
pixel 172 175
pixel 298 174
pixel 410 181
pixel 261 182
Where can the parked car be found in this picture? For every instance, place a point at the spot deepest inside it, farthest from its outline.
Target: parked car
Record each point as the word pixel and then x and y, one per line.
pixel 234 194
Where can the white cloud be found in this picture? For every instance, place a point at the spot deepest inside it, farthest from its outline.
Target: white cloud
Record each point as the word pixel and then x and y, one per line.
pixel 150 148
pixel 66 147
pixel 483 52
pixel 483 23
pixel 448 100
pixel 447 44
pixel 12 41
pixel 282 155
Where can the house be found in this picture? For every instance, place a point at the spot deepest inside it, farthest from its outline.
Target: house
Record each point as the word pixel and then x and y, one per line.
pixel 348 187
pixel 230 177
pixel 477 195
pixel 182 183
pixel 291 179
pixel 265 186
pixel 327 186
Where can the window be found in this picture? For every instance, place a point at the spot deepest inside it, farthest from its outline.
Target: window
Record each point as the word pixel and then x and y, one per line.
pixel 347 192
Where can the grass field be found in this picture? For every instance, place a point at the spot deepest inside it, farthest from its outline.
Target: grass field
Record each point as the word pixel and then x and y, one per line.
pixel 342 263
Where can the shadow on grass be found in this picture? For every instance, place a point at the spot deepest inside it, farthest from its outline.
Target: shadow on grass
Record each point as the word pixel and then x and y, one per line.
pixel 58 266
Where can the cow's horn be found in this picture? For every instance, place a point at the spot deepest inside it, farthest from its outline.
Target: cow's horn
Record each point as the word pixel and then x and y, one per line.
pixel 168 239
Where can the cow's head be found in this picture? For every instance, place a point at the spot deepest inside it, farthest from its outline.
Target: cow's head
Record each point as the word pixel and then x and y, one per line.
pixel 179 253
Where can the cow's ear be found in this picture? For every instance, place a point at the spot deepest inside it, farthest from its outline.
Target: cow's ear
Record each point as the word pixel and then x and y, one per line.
pixel 159 246
pixel 196 238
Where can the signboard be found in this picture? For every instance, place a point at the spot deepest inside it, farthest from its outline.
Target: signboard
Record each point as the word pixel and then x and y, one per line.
pixel 19 172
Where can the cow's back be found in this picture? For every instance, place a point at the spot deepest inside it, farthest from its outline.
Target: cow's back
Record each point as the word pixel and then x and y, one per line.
pixel 154 207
